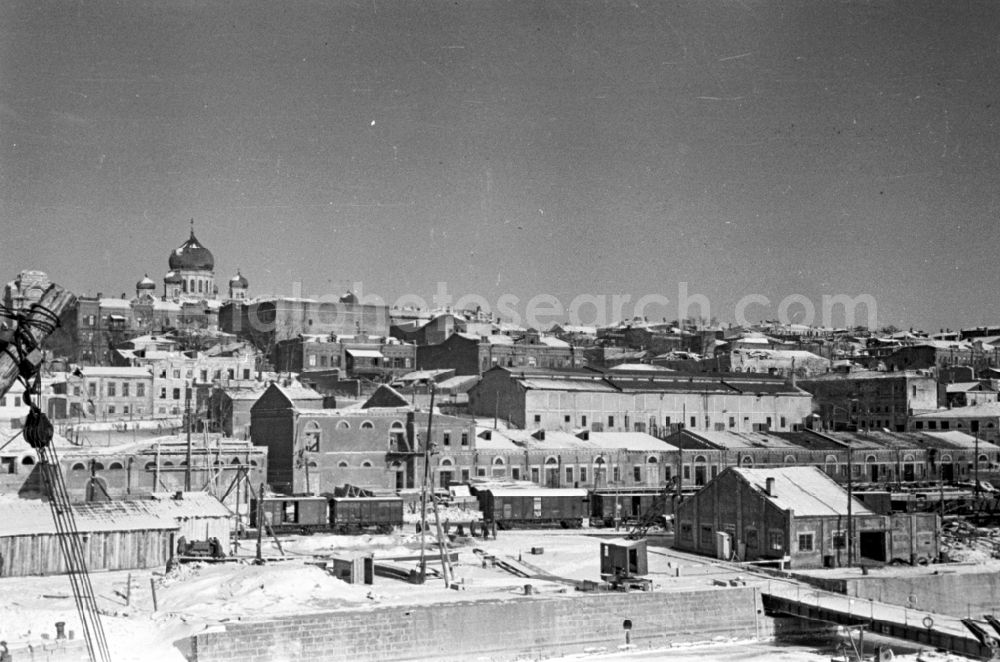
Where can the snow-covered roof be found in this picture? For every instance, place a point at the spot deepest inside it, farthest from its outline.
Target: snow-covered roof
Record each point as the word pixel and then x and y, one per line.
pixel 981 410
pixel 805 490
pixel 25 517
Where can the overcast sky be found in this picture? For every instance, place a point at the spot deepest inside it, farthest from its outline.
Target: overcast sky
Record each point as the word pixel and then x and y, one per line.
pixel 521 148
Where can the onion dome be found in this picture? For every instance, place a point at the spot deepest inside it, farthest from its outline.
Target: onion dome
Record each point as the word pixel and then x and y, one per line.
pixel 145 284
pixel 239 281
pixel 348 297
pixel 191 256
pixel 171 278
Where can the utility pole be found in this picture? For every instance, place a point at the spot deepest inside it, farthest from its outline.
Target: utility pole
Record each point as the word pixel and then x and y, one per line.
pixel 850 506
pixel 423 494
pixel 975 461
pixel 187 421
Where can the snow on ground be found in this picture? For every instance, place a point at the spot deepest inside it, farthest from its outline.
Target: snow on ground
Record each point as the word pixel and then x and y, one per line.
pixel 193 597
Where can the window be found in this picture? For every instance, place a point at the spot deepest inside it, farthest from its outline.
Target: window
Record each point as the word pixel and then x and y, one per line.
pixel 687 472
pixel 534 475
pixel 775 540
pixel 583 421
pixel 687 531
pixel 112 390
pixel 637 473
pixel 465 438
pixel 111 409
pixel 140 390
pixel 920 425
pixel 246 373
pixel 76 391
pixel 583 474
pixel 782 419
pixel 515 473
pixel 163 395
pixel 342 464
pixel 732 421
pixel 366 464
pixel 538 418
pixel 566 418
pixel 311 437
pixel 616 473
pixel 839 540
pixel 177 374
pixel 446 438
pixel 706 535
pixel 694 421
pixel 367 425
pixel 177 394
pixel 611 421
pixel 312 360
pixel 806 542
pixel 569 475
pixel 343 425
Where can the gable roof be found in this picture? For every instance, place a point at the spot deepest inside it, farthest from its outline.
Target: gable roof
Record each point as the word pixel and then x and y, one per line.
pixel 805 490
pixel 386 396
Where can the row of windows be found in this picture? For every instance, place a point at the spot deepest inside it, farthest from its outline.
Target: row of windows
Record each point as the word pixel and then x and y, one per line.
pixel 638 426
pixel 203 374
pixel 150 466
pixel 113 389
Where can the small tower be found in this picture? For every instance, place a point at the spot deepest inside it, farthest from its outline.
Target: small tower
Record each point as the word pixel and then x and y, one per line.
pixel 145 288
pixel 238 286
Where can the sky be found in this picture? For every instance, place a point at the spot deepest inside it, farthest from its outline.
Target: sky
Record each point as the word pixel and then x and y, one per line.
pixel 779 151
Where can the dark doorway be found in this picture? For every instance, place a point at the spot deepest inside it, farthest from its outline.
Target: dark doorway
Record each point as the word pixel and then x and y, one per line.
pixel 948 471
pixel 636 506
pixel 872 545
pixel 699 475
pixel 874 473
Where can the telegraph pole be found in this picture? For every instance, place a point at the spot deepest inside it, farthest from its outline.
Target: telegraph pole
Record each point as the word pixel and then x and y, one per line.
pixel 187 421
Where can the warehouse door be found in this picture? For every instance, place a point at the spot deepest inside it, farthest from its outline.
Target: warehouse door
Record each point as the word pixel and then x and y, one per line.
pixel 872 545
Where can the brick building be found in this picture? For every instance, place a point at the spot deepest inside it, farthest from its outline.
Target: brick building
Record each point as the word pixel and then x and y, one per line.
pixel 872 400
pixel 473 355
pixel 378 358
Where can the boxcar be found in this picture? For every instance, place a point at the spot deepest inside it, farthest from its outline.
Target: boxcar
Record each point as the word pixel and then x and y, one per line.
pixel 632 505
pixel 354 514
pixel 302 514
pixel 526 508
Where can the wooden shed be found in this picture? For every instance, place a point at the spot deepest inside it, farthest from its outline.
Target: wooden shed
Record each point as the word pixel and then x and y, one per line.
pixel 116 535
pixel 623 558
pixel 198 515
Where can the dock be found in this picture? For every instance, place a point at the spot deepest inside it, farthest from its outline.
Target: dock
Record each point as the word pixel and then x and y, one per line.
pixel 940 631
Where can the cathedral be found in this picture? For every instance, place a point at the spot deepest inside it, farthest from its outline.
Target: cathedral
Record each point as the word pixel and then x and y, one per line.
pixel 189 304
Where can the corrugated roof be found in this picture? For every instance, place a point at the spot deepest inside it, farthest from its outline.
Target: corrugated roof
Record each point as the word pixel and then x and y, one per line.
pixel 538 491
pixel 805 490
pixel 633 441
pixel 732 439
pixel 542 384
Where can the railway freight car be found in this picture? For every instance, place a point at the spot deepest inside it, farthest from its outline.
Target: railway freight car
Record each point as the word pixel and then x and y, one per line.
pixel 511 508
pixel 292 514
pixel 355 514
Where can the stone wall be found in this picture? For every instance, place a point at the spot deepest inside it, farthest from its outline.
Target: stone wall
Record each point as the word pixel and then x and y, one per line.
pixel 493 630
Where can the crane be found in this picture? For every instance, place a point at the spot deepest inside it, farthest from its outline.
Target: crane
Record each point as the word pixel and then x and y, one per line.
pixel 21 359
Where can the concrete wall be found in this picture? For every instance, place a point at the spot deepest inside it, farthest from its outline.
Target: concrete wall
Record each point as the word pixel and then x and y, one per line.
pixel 952 593
pixel 494 630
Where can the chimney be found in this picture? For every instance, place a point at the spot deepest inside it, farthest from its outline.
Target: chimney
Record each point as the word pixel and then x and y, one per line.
pixel 769 487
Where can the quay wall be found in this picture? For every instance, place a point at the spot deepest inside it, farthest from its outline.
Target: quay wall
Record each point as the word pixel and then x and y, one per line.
pixel 529 626
pixel 953 592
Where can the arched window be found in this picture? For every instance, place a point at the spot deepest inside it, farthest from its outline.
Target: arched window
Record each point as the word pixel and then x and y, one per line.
pixel 830 464
pixel 367 425
pixel 446 462
pixel 79 466
pixel 652 459
pixel 599 461
pixel 98 466
pixel 115 465
pixel 343 425
pixel 984 459
pixel 551 460
pixel 312 464
pixel 27 461
pixel 366 464
pixel 236 460
pixel 746 461
pixel 700 459
pixel 253 463
pixel 396 425
pixel 151 466
pixel 789 459
pixel 498 461
pixel 342 464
